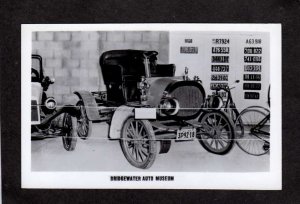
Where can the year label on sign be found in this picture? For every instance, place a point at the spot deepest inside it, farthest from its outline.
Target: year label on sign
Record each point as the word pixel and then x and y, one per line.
pixel 220 68
pixel 252 50
pixel 253 41
pixel 189 50
pixel 251 95
pixel 219 77
pixel 214 86
pixel 253 59
pixel 252 68
pixel 220 41
pixel 220 50
pixel 220 59
pixel 252 86
pixel 252 77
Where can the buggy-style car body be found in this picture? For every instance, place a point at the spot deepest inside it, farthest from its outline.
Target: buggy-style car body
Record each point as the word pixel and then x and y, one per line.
pixel 145 104
pixel 132 77
pixel 46 119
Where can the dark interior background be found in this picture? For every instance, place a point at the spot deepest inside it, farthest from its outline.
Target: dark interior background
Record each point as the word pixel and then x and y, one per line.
pixel 15 13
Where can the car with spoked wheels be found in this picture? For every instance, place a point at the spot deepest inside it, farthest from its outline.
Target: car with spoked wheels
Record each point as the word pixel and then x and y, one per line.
pixel 147 107
pixel 47 119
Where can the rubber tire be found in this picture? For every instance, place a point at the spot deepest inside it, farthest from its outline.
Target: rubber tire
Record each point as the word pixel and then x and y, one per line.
pixel 70 137
pixel 263 111
pixel 152 144
pixel 236 117
pixel 231 129
pixel 83 113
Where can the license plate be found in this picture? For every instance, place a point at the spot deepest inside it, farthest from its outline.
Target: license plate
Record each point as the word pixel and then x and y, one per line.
pixel 186 134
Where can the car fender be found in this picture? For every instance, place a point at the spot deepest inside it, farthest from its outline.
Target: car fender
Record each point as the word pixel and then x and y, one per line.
pixel 90 104
pixel 121 114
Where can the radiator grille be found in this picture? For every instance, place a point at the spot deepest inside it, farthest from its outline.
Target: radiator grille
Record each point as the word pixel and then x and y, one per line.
pixel 190 99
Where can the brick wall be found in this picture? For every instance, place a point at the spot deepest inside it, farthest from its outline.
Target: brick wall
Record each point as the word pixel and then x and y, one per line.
pixel 72 58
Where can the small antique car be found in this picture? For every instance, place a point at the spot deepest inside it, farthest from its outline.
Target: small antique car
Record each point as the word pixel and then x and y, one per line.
pixel 145 104
pixel 46 119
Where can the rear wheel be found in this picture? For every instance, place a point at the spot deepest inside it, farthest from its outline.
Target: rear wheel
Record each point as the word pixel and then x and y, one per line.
pixel 69 137
pixel 138 143
pixel 217 132
pixel 255 137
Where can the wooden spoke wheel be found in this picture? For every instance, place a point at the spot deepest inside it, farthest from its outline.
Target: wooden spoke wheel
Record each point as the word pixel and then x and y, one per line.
pixel 69 137
pixel 217 134
pixel 84 125
pixel 138 143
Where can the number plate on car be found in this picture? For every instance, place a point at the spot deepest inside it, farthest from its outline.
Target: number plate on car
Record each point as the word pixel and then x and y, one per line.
pixel 186 134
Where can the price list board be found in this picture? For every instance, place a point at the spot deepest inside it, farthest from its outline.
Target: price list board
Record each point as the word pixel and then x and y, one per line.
pixel 220 60
pixel 252 76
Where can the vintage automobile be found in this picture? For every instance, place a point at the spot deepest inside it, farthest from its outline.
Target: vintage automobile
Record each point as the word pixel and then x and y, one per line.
pixel 147 107
pixel 46 119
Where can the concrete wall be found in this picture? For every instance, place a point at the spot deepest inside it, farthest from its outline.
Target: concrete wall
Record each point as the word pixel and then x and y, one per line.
pixel 72 58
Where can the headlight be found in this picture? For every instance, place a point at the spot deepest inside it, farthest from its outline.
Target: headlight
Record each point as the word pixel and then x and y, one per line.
pixel 215 102
pixel 169 106
pixel 50 103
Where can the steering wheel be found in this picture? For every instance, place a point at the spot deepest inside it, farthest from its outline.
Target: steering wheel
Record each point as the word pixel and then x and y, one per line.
pixel 34 75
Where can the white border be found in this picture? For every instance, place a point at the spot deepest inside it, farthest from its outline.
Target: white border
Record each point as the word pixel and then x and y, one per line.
pixel 271 180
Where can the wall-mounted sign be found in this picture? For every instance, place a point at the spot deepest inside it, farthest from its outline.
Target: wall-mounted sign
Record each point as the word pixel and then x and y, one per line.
pixel 253 41
pixel 220 41
pixel 219 77
pixel 252 86
pixel 220 50
pixel 252 50
pixel 189 50
pixel 188 40
pixel 220 59
pixel 220 68
pixel 213 86
pixel 252 59
pixel 252 68
pixel 251 95
pixel 252 77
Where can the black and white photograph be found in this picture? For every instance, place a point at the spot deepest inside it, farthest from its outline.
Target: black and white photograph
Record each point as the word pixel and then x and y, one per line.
pixel 168 106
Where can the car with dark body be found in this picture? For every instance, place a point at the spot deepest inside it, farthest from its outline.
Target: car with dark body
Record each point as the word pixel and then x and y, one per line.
pixel 47 120
pixel 147 107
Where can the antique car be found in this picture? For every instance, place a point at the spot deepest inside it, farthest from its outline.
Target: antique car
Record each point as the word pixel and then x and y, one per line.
pixel 146 107
pixel 46 119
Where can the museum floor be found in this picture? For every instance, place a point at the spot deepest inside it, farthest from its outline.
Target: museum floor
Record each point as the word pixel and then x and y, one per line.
pixel 100 154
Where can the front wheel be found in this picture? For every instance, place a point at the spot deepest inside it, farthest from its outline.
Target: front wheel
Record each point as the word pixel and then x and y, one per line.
pixel 217 132
pixel 84 125
pixel 69 137
pixel 138 143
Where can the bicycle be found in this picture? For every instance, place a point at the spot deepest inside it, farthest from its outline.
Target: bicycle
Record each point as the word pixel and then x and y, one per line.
pixel 219 122
pixel 254 138
pixel 229 107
